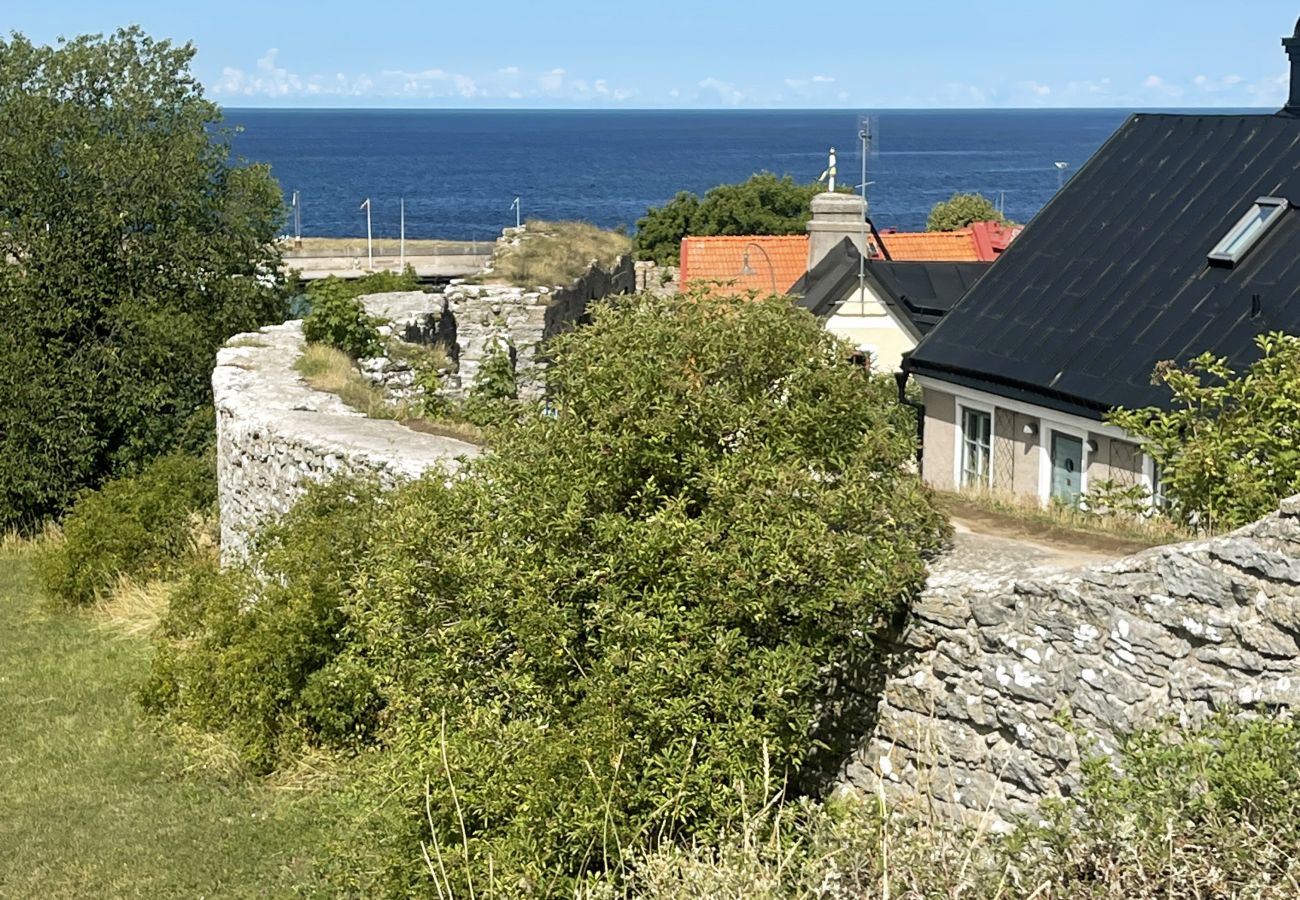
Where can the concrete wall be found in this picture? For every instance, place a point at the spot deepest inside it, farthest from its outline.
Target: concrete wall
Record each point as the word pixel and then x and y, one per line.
pixel 990 673
pixel 275 435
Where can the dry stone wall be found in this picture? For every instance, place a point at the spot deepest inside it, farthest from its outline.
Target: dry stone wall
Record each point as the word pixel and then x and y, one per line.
pixel 275 435
pixel 479 317
pixel 1005 685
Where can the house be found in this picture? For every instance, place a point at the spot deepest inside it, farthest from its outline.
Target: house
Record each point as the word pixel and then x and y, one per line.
pixel 883 307
pixel 1181 235
pixel 768 264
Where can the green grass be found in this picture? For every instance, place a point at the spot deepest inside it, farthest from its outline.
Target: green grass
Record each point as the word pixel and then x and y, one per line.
pixel 97 801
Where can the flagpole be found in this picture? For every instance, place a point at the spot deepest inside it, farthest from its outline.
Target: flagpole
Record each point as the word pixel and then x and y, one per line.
pixel 402 251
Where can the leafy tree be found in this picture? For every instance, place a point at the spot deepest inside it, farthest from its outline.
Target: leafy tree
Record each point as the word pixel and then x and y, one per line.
pixel 130 249
pixel 669 580
pixel 1228 448
pixel 765 204
pixel 961 210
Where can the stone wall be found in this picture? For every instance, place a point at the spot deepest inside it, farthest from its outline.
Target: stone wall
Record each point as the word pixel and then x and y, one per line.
pixel 275 435
pixel 656 279
pixel 478 317
pixel 999 680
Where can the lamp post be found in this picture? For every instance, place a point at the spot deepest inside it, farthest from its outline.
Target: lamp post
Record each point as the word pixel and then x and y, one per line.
pixel 747 269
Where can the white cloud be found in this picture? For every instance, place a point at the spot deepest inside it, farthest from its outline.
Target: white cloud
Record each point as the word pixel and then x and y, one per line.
pixel 272 80
pixel 723 89
pixel 822 79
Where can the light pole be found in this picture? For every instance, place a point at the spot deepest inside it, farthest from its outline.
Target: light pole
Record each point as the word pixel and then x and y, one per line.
pixel 370 241
pixel 515 207
pixel 747 269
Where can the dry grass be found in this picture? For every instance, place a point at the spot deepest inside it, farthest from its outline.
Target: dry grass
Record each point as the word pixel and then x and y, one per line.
pixel 554 254
pixel 331 370
pixel 134 609
pixel 12 543
pixel 1022 516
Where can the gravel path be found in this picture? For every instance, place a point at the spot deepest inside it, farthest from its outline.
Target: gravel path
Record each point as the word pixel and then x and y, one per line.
pixel 981 553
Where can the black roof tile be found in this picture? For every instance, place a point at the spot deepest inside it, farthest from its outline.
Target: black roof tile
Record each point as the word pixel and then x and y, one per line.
pixel 1112 276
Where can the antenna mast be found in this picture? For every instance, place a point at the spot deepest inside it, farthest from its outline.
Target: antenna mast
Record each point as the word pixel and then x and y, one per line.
pixel 864 135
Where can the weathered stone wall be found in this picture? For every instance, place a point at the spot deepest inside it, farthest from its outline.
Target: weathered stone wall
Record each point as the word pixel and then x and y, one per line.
pixel 656 279
pixel 478 317
pixel 275 435
pixel 992 674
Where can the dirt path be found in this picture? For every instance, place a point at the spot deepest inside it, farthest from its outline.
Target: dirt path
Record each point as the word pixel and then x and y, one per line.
pixel 983 550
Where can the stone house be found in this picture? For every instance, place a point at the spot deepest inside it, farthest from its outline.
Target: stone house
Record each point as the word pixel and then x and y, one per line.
pixel 1180 236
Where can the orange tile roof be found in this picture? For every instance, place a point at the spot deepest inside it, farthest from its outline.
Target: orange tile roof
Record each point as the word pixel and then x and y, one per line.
pixel 781 261
pixel 953 246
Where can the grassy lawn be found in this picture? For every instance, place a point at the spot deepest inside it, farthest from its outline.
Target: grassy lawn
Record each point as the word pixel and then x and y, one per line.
pixel 96 802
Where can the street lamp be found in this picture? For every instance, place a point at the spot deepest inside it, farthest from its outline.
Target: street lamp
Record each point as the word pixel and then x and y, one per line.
pixel 747 269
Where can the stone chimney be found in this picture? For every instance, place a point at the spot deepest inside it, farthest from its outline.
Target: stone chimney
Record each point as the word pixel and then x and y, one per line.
pixel 835 217
pixel 1292 45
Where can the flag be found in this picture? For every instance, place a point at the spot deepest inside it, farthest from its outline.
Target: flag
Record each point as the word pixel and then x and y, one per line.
pixel 365 205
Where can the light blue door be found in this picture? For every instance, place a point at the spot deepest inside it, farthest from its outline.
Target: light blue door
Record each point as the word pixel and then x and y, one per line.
pixel 1067 468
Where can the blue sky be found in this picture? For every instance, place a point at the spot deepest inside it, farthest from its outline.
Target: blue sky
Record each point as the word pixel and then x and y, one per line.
pixel 675 54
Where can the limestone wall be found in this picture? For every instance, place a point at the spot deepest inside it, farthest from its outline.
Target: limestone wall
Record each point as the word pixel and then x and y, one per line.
pixel 477 317
pixel 998 680
pixel 275 435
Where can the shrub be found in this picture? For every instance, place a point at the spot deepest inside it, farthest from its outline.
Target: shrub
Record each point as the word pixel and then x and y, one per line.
pixel 139 526
pixel 492 398
pixel 602 632
pixel 142 248
pixel 1228 448
pixel 256 655
pixel 338 319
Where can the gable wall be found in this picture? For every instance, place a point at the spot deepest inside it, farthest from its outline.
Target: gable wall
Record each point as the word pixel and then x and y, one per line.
pixel 868 324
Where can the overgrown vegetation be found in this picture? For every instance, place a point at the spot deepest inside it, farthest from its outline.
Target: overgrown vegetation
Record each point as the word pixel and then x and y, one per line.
pixel 130 249
pixel 1228 448
pixel 961 210
pixel 598 637
pixel 141 526
pixel 338 318
pixel 765 204
pixel 553 253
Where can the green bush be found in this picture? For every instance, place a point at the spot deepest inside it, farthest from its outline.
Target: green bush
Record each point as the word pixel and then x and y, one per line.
pixel 339 319
pixel 140 526
pixel 607 628
pixel 256 655
pixel 1228 446
pixel 142 248
pixel 493 396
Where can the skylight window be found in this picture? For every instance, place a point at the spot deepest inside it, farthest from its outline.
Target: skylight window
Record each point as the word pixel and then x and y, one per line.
pixel 1248 230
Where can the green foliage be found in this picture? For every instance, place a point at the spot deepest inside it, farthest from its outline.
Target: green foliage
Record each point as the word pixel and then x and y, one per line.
pixel 339 319
pixel 1228 448
pixel 960 211
pixel 130 249
pixel 493 396
pixel 258 656
pixel 137 525
pixel 600 635
pixel 765 204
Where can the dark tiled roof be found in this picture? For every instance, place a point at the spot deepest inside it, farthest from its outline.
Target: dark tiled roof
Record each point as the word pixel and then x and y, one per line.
pixel 918 293
pixel 1111 277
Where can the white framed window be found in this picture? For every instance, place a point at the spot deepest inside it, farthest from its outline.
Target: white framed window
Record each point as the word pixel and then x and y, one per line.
pixel 975 447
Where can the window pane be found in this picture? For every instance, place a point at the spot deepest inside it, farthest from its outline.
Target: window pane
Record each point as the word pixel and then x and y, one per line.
pixel 976 447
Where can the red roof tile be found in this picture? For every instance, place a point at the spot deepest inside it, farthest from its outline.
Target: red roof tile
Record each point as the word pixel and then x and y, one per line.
pixel 981 242
pixel 777 262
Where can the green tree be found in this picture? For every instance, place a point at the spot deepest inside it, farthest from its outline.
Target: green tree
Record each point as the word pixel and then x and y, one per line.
pixel 1228 446
pixel 961 210
pixel 765 204
pixel 130 248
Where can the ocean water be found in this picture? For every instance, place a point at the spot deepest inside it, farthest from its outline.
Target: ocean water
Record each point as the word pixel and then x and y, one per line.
pixel 459 171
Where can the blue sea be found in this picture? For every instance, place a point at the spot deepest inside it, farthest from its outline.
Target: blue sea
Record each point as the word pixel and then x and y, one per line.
pixel 459 171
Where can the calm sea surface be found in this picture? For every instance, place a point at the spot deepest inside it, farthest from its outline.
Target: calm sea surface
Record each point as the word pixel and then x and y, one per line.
pixel 459 170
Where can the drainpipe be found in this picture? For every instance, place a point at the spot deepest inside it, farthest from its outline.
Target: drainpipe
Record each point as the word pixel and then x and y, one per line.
pixel 900 378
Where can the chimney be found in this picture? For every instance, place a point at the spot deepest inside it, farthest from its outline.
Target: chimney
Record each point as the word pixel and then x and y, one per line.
pixel 834 218
pixel 1292 45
